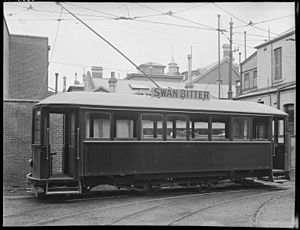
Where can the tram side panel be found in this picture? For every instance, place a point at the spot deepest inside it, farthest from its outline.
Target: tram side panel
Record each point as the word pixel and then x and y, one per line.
pixel 131 158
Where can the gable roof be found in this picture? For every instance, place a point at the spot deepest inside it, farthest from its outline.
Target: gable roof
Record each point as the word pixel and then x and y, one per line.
pixel 280 37
pixel 211 67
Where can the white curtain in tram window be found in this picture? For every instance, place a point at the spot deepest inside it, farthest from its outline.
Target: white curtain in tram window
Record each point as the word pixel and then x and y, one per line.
pixel 101 128
pixel 124 128
pixel 245 129
pixel 87 127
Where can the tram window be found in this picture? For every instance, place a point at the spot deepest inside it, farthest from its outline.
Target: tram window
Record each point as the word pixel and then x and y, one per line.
pixel 37 126
pixel 152 126
pixel 241 129
pixel 220 128
pixel 176 127
pixel 199 127
pixel 125 125
pixel 98 125
pixel 260 129
pixel 281 131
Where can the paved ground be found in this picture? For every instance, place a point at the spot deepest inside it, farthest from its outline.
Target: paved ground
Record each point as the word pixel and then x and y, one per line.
pixel 266 205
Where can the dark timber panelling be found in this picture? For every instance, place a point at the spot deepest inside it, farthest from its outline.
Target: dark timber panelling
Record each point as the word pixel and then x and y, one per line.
pixel 114 158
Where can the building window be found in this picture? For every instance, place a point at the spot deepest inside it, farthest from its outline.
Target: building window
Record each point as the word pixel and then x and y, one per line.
pixel 246 81
pixel 240 129
pixel 176 127
pixel 37 127
pixel 289 109
pixel 277 64
pixel 254 85
pixel 152 126
pixel 98 125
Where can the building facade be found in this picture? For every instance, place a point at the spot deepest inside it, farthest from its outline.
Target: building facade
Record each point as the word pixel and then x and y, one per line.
pixel 269 77
pixel 25 82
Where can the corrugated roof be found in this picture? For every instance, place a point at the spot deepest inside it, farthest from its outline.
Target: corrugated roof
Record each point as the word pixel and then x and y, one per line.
pixel 142 101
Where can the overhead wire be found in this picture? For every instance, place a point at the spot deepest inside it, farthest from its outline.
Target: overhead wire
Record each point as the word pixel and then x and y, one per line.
pixel 81 65
pixel 110 45
pixel 86 8
pixel 241 20
pixel 46 73
pixel 170 13
pixel 189 8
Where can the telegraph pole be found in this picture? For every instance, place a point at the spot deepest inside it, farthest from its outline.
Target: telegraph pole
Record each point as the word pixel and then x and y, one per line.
pixel 219 68
pixel 245 49
pixel 56 79
pixel 230 63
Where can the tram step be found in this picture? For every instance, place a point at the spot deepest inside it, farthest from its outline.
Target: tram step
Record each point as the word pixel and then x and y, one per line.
pixel 280 180
pixel 69 188
pixel 63 192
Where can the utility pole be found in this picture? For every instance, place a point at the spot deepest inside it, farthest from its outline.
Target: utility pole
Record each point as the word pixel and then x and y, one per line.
pixel 245 48
pixel 219 68
pixel 269 34
pixel 56 79
pixel 240 54
pixel 230 63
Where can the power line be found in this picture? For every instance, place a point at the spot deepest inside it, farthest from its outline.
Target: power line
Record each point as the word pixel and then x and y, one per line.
pixel 46 73
pixel 81 65
pixel 274 19
pixel 172 24
pixel 247 24
pixel 189 8
pixel 230 13
pixel 170 13
pixel 110 45
pixel 98 11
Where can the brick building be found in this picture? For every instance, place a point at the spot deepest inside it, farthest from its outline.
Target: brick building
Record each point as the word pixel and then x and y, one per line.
pixel 25 82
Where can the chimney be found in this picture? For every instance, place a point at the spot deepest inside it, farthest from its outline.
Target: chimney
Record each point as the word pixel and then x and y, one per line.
pixel 97 71
pixel 65 84
pixel 76 82
pixel 112 83
pixel 226 50
pixel 189 83
pixel 56 82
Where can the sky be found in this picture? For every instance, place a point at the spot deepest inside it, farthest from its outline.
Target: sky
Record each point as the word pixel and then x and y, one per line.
pixel 144 32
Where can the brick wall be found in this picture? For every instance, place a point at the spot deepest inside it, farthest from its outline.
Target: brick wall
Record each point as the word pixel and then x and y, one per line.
pixel 28 67
pixel 56 141
pixel 16 141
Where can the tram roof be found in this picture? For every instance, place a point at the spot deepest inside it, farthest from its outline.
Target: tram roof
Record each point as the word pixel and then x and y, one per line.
pixel 89 99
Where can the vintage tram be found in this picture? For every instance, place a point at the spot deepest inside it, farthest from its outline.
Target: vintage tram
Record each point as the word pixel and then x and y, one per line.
pixel 84 139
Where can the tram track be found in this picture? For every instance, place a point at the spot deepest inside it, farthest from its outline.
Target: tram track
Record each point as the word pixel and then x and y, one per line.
pixel 256 216
pixel 70 215
pixel 219 204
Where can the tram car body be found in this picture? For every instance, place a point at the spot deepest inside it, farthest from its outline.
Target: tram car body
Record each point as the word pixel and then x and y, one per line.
pixel 84 139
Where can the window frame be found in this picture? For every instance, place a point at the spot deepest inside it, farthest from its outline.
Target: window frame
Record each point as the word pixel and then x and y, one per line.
pixel 34 130
pixel 122 115
pixel 141 126
pixel 86 130
pixel 249 121
pixel 247 74
pixel 186 127
pixel 277 66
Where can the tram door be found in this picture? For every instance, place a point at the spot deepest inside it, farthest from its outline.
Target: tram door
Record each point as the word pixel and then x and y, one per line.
pixel 61 134
pixel 279 141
